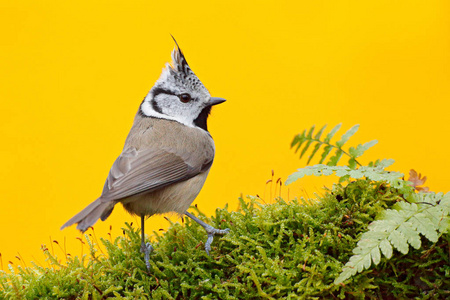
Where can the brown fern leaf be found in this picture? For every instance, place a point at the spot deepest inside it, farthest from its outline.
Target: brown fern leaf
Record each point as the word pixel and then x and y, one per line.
pixel 418 180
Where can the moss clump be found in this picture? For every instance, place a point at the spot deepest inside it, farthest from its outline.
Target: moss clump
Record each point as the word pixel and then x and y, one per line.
pixel 283 250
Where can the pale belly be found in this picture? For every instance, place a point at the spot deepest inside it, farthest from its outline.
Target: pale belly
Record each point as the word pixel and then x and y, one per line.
pixel 174 198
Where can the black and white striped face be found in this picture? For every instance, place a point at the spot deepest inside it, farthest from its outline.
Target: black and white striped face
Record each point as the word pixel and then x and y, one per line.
pixel 179 95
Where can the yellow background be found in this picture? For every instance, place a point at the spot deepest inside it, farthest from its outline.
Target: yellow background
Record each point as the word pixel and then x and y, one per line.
pixel 73 73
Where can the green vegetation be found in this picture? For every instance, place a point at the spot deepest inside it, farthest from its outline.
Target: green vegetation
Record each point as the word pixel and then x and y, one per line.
pixel 322 248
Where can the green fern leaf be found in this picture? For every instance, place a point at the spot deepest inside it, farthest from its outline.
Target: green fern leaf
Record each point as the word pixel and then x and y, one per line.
pixel 335 159
pixel 309 140
pixel 356 174
pixel 299 139
pixel 326 150
pixel 297 175
pixel 383 164
pixel 375 255
pixel 295 140
pixel 373 163
pixel 309 137
pixel 311 131
pixel 386 248
pixel 422 224
pixel 399 241
pixel 412 236
pixel 398 228
pixel 326 171
pixel 342 171
pixel 332 133
pixel 445 202
pixel 344 178
pixel 346 136
pixel 319 134
pixel 317 146
pixel 352 163
pixel 305 148
pixel 361 148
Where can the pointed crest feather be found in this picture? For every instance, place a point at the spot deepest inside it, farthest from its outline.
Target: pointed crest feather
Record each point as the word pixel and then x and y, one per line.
pixel 179 63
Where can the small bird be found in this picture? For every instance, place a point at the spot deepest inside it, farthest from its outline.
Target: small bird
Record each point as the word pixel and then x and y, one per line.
pixel 167 154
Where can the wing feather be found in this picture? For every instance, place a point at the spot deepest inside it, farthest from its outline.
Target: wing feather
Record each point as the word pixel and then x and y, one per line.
pixel 135 172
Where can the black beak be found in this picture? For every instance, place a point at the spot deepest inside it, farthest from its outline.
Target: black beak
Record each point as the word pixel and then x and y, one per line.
pixel 215 101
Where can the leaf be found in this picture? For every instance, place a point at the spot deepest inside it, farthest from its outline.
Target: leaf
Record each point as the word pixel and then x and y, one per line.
pixel 342 171
pixel 327 171
pixel 352 163
pixel 300 140
pixel 356 174
pixel 376 255
pixel 361 148
pixel 412 235
pixel 319 134
pixel 335 159
pixel 423 225
pixel 346 136
pixel 311 131
pixel 332 133
pixel 316 148
pixel 399 241
pixel 366 263
pixel 384 225
pixel 316 139
pixel 295 140
pixel 299 174
pixel 386 248
pixel 347 272
pixel 344 178
pixel 373 163
pixel 326 150
pixel 417 180
pixel 305 148
pixel 398 228
pixel 384 163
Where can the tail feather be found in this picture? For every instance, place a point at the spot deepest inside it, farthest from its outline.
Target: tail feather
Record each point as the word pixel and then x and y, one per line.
pixel 88 216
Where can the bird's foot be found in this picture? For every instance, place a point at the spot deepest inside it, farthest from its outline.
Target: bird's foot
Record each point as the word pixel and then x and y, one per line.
pixel 211 231
pixel 147 249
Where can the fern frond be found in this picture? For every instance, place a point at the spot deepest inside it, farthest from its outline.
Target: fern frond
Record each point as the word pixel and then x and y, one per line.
pixel 376 173
pixel 397 229
pixel 306 139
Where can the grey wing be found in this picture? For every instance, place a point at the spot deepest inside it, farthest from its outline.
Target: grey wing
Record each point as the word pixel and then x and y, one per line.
pixel 135 172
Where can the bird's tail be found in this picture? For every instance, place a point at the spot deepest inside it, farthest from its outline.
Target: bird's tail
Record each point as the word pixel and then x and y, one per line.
pixel 88 216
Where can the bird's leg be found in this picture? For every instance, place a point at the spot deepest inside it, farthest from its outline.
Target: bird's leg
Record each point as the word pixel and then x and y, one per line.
pixel 146 248
pixel 211 231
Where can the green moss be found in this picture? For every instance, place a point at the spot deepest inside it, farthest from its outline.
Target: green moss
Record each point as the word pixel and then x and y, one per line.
pixel 283 250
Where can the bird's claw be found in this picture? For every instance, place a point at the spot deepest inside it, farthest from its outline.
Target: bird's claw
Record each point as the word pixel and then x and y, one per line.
pixel 211 232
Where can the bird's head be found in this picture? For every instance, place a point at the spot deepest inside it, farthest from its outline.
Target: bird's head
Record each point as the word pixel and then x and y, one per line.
pixel 179 95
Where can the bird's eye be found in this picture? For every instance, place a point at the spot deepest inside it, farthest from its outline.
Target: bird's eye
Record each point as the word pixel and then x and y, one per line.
pixel 185 98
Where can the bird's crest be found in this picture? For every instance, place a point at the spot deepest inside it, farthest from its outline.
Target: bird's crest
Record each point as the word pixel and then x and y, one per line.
pixel 179 64
pixel 178 73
